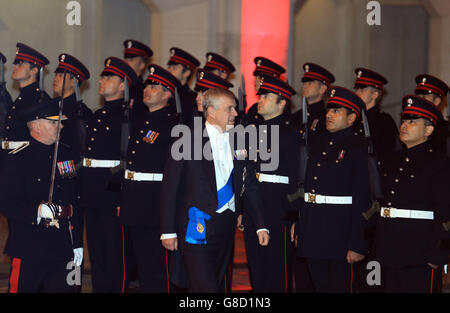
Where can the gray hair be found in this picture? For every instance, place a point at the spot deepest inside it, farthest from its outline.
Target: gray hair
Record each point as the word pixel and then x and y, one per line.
pixel 213 97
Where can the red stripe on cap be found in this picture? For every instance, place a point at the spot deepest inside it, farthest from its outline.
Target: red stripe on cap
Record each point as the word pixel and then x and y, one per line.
pixel 15 273
pixel 30 58
pixel 136 51
pixel 267 69
pixel 423 110
pixel 182 60
pixel 209 84
pixel 282 90
pixel 416 111
pixel 432 88
pixel 72 68
pixel 346 103
pixel 274 90
pixel 317 76
pixel 118 72
pixel 162 80
pixel 217 65
pixel 369 81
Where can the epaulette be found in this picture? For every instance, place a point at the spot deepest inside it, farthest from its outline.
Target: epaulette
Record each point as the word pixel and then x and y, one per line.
pixel 22 147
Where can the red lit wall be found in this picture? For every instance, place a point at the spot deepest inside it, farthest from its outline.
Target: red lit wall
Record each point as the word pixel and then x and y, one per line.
pixel 264 32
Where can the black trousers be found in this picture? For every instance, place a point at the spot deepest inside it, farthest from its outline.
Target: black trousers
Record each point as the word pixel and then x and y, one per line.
pixel 150 256
pixel 303 280
pixel 33 276
pixel 331 275
pixel 270 266
pixel 106 252
pixel 420 279
pixel 207 264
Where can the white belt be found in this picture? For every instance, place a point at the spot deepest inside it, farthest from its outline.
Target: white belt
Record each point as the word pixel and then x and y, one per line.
pixel 272 178
pixel 417 214
pixel 100 163
pixel 143 176
pixel 10 145
pixel 320 199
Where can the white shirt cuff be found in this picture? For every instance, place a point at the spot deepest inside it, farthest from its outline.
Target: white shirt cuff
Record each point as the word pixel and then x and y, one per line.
pixel 168 236
pixel 263 229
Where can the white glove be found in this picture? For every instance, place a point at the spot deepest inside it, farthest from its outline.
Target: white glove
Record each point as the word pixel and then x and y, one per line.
pixel 46 210
pixel 78 256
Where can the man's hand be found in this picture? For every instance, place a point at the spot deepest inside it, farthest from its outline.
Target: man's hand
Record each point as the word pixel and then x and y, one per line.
pixel 239 223
pixel 263 238
pixel 170 244
pixel 353 257
pixel 294 238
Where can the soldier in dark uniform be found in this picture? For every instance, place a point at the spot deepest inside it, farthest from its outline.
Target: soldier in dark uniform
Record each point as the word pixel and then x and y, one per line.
pixel 435 90
pixel 271 266
pixel 27 64
pixel 147 151
pixel 137 56
pixel 73 135
pixel 409 229
pixel 76 111
pixel 219 65
pixel 336 193
pixel 383 130
pixel 100 188
pixel 316 81
pixel 43 236
pixel 5 97
pixel 182 65
pixel 264 67
pixel 384 139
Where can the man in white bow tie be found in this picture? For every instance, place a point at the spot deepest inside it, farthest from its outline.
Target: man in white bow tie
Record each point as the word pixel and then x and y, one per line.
pixel 199 199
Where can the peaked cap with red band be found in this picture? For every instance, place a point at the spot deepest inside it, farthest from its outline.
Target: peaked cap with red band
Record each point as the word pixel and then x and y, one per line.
pixel 275 85
pixel 215 61
pixel 28 54
pixel 267 67
pixel 179 56
pixel 72 65
pixel 427 84
pixel 369 78
pixel 158 75
pixel 118 67
pixel 317 72
pixel 207 80
pixel 345 98
pixel 417 107
pixel 134 48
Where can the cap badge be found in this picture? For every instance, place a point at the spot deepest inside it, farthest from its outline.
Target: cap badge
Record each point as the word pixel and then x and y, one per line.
pixel 333 91
pixel 200 75
pixel 409 101
pixel 306 68
pixel 424 80
pixel 258 63
pixel 172 52
pixel 261 80
pixel 17 50
pixel 152 70
pixel 210 57
pixel 359 74
pixel 108 62
pixel 129 44
pixel 63 57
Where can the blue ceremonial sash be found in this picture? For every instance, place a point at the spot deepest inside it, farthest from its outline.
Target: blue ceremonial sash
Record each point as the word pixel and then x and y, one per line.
pixel 196 228
pixel 225 193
